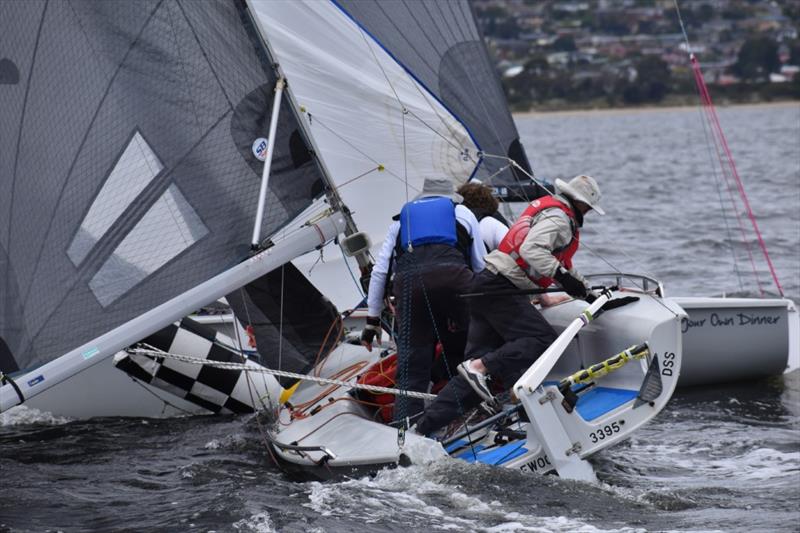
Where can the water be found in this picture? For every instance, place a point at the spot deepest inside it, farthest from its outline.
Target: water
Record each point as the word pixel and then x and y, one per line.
pixel 723 459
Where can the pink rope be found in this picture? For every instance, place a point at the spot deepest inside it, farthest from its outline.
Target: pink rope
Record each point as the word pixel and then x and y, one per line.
pixel 717 127
pixel 705 98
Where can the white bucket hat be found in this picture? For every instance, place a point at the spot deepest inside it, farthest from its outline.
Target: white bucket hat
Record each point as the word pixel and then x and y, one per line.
pixel 439 187
pixel 583 189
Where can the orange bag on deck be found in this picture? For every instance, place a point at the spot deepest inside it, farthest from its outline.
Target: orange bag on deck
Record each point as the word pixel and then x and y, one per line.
pixel 381 374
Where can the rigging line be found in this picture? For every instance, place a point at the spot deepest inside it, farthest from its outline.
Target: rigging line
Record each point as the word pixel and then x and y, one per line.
pixel 743 194
pixel 280 319
pixel 350 270
pixel 152 352
pixel 405 161
pixel 583 244
pixel 501 169
pixel 354 147
pixel 683 28
pixel 380 65
pixel 351 180
pixel 514 164
pixel 396 95
pixel 718 186
pixel 439 339
pixel 726 172
pixel 718 138
pixel 434 130
pixel 717 127
pixel 532 177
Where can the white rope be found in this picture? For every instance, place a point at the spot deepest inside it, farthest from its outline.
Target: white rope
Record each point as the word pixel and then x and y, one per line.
pixel 281 373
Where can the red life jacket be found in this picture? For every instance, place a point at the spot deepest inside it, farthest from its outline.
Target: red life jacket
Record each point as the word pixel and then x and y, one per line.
pixel 519 231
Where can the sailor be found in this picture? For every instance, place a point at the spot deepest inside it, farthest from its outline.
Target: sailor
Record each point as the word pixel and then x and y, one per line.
pixel 506 333
pixel 480 200
pixel 434 247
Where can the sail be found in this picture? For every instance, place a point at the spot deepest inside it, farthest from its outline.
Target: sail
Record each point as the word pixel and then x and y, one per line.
pixel 440 44
pixel 127 167
pixel 392 92
pixel 293 323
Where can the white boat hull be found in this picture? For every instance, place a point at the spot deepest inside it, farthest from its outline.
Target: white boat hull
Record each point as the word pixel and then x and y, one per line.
pixel 734 339
pixel 326 430
pixel 103 390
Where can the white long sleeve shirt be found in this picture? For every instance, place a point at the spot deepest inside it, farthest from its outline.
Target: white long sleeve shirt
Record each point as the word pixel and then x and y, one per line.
pixel 492 231
pixel 377 281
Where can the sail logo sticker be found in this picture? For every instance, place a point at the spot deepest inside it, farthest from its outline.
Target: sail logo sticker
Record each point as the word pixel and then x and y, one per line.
pixel 88 354
pixel 260 148
pixel 35 381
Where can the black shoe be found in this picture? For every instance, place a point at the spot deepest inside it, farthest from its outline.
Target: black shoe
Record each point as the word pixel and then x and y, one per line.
pixel 478 383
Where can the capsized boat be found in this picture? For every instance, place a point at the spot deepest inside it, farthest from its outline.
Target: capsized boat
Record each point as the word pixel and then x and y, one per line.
pixel 156 200
pixel 606 375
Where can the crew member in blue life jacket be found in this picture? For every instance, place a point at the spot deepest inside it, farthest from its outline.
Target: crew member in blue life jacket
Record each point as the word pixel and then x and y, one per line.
pixel 434 248
pixel 506 333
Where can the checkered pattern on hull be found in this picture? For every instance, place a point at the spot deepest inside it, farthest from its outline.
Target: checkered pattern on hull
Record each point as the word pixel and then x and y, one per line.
pixel 216 389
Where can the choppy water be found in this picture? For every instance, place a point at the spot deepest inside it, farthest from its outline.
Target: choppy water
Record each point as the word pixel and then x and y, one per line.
pixel 723 459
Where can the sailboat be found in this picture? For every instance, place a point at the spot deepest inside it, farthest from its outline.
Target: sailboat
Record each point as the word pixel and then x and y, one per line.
pixel 385 109
pixel 133 189
pixel 181 168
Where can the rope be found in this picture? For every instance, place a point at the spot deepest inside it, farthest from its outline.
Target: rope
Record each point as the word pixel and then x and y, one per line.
pixel 730 170
pixel 708 107
pixel 718 183
pixel 280 373
pixel 461 409
pixel 603 368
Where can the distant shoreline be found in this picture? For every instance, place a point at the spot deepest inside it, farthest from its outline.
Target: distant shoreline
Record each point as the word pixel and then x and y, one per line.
pixel 640 109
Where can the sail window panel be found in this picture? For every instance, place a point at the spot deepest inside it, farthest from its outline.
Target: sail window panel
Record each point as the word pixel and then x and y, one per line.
pixel 133 171
pixel 168 228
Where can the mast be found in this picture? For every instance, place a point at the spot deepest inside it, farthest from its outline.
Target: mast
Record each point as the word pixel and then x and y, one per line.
pixel 310 236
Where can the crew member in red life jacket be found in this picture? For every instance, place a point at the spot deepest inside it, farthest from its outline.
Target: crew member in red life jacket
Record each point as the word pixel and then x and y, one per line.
pixel 506 333
pixel 435 244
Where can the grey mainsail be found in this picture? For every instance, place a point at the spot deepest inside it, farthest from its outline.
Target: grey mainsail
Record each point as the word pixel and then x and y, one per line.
pixel 127 174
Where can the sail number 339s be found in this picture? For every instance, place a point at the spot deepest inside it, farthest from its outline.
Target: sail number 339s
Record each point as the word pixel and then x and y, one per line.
pixel 605 431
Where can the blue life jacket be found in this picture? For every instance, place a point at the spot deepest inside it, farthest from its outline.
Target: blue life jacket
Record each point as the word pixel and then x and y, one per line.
pixel 430 220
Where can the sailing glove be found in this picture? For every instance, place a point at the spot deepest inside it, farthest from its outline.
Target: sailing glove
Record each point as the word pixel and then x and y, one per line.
pixel 370 331
pixel 571 285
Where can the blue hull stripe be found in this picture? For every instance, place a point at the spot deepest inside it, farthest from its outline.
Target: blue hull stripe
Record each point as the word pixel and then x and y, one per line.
pixel 495 455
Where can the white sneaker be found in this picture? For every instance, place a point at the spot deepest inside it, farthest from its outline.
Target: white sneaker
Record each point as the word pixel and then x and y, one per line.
pixel 477 381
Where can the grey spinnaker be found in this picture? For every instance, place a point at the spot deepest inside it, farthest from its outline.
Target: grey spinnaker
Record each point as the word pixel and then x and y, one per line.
pixel 441 45
pixel 293 323
pixel 126 170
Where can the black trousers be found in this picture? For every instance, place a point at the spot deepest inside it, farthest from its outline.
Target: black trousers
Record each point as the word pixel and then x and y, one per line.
pixel 426 287
pixel 506 332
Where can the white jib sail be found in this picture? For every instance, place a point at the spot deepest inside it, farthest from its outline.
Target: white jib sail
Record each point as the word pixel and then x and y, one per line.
pixel 354 95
